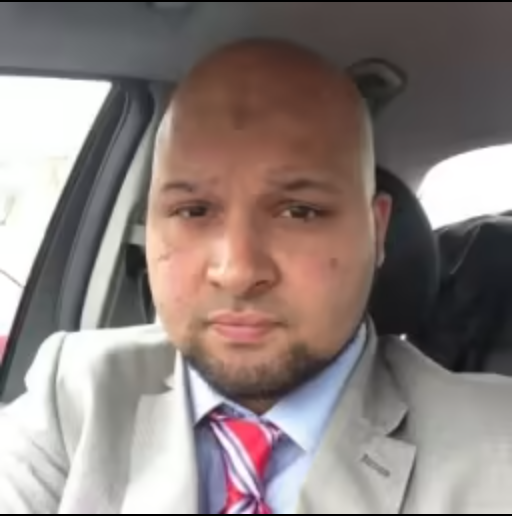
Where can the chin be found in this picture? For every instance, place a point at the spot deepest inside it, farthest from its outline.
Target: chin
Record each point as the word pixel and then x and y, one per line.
pixel 237 366
pixel 236 360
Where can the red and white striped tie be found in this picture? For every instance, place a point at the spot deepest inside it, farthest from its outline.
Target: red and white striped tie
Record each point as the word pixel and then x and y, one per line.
pixel 246 448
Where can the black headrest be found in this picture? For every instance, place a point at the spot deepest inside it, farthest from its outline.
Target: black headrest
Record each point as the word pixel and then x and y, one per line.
pixel 406 286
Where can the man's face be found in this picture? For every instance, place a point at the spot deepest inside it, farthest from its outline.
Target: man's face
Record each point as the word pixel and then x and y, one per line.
pixel 262 244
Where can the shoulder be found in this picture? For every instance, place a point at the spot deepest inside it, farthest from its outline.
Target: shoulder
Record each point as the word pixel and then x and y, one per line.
pixel 468 402
pixel 88 374
pixel 108 346
pixel 135 359
pixel 134 355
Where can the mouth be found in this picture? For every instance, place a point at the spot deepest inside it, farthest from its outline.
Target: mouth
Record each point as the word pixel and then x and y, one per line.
pixel 245 327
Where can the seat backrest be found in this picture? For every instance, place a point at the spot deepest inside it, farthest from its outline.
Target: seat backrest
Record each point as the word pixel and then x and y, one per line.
pixel 471 327
pixel 406 286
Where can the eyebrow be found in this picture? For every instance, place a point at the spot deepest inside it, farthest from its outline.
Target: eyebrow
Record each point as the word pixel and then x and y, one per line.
pixel 288 186
pixel 305 184
pixel 178 186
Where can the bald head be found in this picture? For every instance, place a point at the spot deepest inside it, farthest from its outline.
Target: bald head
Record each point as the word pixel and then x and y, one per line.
pixel 263 229
pixel 255 83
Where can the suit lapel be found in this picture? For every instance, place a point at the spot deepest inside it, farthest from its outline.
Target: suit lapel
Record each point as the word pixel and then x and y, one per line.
pixel 164 478
pixel 361 467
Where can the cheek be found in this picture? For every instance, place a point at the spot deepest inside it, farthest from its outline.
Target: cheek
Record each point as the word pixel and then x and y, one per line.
pixel 325 278
pixel 313 277
pixel 318 269
pixel 328 295
pixel 175 276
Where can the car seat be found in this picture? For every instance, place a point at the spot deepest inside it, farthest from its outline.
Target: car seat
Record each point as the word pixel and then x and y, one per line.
pixel 470 329
pixel 407 285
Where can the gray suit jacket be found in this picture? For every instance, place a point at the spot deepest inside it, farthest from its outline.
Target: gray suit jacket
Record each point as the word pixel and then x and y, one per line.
pixel 105 428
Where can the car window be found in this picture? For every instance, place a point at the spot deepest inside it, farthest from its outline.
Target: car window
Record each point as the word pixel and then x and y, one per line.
pixel 43 125
pixel 469 185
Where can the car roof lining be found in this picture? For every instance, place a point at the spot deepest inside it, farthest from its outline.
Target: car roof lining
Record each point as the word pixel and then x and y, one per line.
pixel 456 56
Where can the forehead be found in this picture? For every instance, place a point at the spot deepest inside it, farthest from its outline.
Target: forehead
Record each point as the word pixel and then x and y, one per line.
pixel 258 115
pixel 223 141
pixel 257 170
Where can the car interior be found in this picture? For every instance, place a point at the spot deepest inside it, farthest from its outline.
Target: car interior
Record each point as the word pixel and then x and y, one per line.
pixel 437 80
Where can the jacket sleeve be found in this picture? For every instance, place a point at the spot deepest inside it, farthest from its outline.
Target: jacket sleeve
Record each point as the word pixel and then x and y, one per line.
pixel 33 460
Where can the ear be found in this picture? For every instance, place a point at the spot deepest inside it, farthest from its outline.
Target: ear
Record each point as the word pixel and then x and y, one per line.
pixel 382 209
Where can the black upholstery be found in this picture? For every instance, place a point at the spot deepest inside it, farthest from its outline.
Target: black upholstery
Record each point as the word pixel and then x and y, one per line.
pixel 470 329
pixel 407 285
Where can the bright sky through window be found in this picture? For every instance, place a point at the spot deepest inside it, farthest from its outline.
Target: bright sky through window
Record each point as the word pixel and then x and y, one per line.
pixel 469 185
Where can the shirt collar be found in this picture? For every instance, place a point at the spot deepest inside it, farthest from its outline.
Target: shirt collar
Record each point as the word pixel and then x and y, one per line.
pixel 317 398
pixel 204 399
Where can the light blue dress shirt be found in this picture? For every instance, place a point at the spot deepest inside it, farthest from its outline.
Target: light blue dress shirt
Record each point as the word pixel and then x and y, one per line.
pixel 302 417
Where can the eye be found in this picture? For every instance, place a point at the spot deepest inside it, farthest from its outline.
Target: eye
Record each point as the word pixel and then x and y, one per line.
pixel 192 212
pixel 302 212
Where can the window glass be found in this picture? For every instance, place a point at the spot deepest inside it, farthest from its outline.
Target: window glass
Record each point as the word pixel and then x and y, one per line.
pixel 469 185
pixel 43 125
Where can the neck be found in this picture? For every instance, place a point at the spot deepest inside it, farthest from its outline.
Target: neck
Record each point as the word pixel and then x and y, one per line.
pixel 257 406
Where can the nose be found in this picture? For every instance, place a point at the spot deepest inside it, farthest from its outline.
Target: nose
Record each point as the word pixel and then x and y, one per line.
pixel 241 263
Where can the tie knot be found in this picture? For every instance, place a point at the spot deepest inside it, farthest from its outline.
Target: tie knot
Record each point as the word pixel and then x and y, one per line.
pixel 246 442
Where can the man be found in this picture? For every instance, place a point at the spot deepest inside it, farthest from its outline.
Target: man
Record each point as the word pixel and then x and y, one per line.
pixel 264 234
